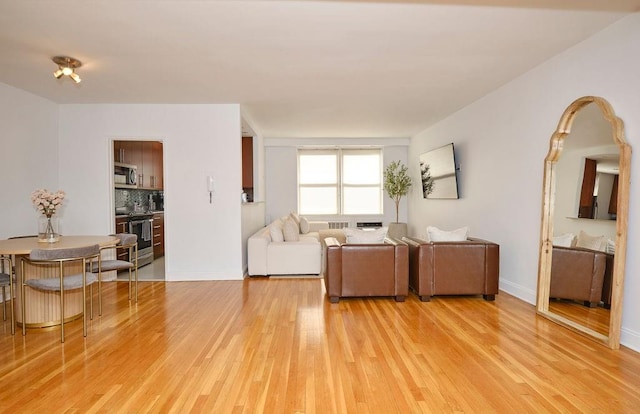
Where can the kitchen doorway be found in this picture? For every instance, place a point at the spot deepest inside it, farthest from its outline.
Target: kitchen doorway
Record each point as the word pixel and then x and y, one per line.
pixel 138 168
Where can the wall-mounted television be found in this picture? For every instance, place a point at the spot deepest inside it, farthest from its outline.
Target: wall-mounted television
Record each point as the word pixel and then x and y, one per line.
pixel 438 173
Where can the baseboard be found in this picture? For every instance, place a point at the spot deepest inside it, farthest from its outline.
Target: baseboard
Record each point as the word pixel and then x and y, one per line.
pixel 296 276
pixel 630 339
pixel 519 291
pixel 201 276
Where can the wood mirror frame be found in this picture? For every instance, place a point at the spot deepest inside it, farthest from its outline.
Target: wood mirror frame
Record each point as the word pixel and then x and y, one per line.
pixel 611 340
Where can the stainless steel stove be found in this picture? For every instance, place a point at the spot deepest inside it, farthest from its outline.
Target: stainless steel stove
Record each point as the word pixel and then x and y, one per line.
pixel 141 224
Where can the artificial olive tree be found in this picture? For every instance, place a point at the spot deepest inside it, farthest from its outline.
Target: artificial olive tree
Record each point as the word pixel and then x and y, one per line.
pixel 397 182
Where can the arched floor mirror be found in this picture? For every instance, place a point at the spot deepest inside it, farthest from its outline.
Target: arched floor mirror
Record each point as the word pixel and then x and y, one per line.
pixel 584 222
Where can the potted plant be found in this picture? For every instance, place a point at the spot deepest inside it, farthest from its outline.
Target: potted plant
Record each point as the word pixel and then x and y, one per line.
pixel 397 182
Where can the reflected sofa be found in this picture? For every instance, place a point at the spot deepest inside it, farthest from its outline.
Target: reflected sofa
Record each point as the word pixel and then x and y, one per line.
pixel 365 270
pixel 469 267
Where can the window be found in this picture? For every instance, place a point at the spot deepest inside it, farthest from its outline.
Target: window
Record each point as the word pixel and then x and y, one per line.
pixel 340 181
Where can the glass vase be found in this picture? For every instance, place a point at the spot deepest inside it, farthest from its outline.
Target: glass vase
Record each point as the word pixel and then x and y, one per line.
pixel 48 230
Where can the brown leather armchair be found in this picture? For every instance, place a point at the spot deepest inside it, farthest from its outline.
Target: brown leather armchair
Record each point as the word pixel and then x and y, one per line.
pixel 469 267
pixel 577 274
pixel 354 270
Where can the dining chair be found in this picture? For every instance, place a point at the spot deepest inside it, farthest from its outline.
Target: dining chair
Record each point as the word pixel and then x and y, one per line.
pixel 127 247
pixel 6 279
pixel 62 283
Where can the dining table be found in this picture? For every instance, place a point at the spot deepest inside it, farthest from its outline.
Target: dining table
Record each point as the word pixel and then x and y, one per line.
pixel 43 307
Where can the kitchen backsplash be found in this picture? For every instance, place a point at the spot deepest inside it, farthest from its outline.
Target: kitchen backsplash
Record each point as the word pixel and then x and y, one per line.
pixel 128 198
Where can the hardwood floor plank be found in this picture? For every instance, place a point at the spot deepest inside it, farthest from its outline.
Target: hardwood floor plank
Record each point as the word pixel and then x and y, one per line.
pixel 278 346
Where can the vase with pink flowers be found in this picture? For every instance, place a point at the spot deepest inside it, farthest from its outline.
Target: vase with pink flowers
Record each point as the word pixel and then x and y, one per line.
pixel 47 203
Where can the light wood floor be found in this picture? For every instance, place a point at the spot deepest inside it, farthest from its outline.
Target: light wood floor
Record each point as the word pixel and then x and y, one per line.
pixel 278 346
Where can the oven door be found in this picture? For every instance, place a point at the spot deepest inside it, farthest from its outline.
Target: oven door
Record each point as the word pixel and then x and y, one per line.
pixel 144 230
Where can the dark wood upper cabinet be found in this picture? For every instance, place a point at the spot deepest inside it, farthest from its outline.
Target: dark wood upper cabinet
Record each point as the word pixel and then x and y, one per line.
pixel 586 208
pixel 128 152
pixel 613 201
pixel 147 156
pixel 247 163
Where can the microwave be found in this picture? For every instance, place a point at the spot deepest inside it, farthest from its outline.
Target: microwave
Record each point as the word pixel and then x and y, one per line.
pixel 125 175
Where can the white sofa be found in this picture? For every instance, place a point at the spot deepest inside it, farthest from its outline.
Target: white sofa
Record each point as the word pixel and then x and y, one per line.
pixel 304 256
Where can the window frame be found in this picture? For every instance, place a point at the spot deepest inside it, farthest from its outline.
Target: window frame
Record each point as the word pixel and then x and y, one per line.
pixel 340 153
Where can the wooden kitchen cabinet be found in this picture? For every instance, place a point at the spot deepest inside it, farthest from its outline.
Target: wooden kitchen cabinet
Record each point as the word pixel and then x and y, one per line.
pixel 121 227
pixel 247 163
pixel 147 156
pixel 158 235
pixel 150 170
pixel 128 152
pixel 157 159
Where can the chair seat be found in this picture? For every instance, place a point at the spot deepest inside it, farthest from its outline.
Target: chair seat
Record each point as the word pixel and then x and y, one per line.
pixel 108 265
pixel 53 283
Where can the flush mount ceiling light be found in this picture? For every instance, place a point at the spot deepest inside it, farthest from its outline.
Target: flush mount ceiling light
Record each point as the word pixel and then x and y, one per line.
pixel 67 66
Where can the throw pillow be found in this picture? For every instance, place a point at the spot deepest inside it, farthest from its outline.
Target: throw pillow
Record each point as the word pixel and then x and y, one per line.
pixel 434 234
pixel 611 246
pixel 357 236
pixel 591 242
pixel 565 240
pixel 304 225
pixel 290 230
pixel 275 231
pixel 296 219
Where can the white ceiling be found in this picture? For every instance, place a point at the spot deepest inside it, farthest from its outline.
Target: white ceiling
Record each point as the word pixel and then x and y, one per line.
pixel 299 68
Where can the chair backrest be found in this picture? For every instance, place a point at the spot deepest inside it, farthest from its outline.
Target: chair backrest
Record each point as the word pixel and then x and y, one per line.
pixel 127 238
pixel 64 254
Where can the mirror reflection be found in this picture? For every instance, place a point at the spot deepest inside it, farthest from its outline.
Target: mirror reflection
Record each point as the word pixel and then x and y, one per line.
pixel 584 226
pixel 585 209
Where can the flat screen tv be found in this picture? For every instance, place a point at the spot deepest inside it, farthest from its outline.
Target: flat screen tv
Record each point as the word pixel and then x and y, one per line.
pixel 438 171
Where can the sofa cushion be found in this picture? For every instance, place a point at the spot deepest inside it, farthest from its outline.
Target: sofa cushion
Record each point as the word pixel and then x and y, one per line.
pixel 304 225
pixel 275 231
pixel 295 218
pixel 611 246
pixel 591 242
pixel 565 240
pixel 358 236
pixel 290 230
pixel 434 234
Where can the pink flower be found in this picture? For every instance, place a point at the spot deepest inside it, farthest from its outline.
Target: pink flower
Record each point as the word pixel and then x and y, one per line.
pixel 47 202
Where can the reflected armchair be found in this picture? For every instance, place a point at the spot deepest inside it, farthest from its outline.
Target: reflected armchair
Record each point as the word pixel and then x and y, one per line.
pixel 577 274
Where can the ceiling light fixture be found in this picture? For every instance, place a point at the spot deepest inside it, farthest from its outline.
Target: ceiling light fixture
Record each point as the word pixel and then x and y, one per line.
pixel 67 66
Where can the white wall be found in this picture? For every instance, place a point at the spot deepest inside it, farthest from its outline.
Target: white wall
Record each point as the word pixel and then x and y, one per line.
pixel 203 241
pixel 501 141
pixel 282 176
pixel 28 157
